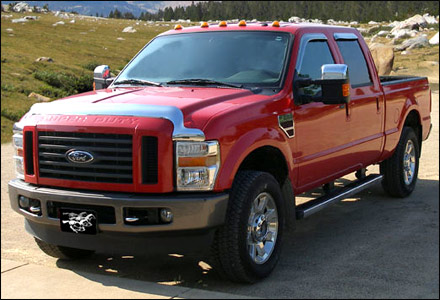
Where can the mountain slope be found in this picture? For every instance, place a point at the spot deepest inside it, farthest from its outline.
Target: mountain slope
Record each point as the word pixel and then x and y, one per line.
pixel 104 7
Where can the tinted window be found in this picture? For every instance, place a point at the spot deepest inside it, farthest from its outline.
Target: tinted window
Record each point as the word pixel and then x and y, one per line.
pixel 316 54
pixel 355 60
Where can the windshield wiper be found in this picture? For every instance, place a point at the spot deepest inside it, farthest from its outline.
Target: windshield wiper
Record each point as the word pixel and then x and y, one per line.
pixel 197 81
pixel 137 81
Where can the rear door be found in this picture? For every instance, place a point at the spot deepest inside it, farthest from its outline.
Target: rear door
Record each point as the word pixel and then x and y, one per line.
pixel 366 110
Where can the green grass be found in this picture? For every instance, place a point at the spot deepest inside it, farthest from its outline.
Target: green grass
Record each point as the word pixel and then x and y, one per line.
pixel 76 50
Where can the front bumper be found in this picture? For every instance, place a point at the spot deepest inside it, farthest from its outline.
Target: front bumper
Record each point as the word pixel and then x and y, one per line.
pixel 194 216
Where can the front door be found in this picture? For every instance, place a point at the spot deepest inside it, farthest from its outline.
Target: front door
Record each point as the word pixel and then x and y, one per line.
pixel 321 131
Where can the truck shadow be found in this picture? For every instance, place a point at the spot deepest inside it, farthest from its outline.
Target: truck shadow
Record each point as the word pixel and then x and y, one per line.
pixel 332 246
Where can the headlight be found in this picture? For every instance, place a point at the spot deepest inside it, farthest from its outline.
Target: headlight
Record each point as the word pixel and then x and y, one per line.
pixel 197 165
pixel 17 140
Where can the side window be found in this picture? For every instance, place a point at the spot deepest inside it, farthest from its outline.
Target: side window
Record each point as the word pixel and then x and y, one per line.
pixel 316 54
pixel 355 60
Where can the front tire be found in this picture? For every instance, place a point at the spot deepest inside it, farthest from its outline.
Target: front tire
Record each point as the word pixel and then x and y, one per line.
pixel 62 252
pixel 248 245
pixel 401 169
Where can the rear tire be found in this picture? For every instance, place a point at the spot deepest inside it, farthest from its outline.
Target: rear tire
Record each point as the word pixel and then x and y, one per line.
pixel 61 251
pixel 248 245
pixel 401 169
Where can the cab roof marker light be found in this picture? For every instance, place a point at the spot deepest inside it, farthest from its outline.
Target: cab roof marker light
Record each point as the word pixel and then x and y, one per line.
pixel 178 27
pixel 204 25
pixel 275 24
pixel 222 24
pixel 242 23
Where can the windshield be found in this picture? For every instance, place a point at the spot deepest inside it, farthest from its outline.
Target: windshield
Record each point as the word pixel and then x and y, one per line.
pixel 234 57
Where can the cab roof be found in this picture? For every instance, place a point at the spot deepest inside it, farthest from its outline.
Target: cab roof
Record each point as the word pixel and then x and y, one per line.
pixel 255 26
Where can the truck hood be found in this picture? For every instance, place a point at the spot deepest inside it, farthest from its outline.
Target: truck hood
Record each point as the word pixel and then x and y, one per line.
pixel 187 99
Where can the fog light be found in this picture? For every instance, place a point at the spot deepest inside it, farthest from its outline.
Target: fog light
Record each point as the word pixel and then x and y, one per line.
pixel 166 215
pixel 30 205
pixel 23 202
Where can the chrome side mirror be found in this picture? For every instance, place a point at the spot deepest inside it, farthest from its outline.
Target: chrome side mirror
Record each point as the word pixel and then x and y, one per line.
pixel 101 77
pixel 335 84
pixel 334 71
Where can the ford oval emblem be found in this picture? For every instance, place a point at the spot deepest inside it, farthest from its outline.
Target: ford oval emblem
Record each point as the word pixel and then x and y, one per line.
pixel 79 157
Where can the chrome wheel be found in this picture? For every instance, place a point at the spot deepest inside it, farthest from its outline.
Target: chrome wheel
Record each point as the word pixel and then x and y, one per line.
pixel 262 228
pixel 409 162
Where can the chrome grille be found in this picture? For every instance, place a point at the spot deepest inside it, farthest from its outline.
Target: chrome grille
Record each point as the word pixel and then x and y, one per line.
pixel 112 156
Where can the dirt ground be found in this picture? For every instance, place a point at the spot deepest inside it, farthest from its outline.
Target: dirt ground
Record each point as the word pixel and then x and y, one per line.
pixel 368 246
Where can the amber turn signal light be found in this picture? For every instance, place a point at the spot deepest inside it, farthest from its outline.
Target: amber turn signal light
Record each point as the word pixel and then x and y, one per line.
pixel 197 161
pixel 346 90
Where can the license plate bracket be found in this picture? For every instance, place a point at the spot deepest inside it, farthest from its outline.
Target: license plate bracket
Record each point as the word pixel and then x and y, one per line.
pixel 81 221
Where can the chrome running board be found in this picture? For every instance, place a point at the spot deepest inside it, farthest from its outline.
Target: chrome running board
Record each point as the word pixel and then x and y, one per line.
pixel 313 206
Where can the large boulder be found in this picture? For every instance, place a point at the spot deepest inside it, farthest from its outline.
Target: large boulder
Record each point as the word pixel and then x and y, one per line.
pixel 403 33
pixel 294 19
pixel 382 33
pixel 21 7
pixel 21 20
pixel 129 29
pixel 413 23
pixel 417 42
pixel 44 58
pixel 434 39
pixel 430 19
pixel 39 97
pixel 383 57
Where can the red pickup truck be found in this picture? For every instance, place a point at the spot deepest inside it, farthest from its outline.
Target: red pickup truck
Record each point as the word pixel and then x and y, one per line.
pixel 206 136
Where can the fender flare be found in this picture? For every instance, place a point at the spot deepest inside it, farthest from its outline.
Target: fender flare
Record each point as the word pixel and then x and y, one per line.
pixel 246 144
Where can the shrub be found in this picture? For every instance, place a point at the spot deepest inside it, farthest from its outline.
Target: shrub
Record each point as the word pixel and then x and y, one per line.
pixel 69 83
pixel 83 83
pixel 52 92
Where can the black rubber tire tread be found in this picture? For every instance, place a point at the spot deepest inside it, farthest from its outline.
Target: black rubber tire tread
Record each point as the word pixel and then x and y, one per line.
pixel 235 262
pixel 62 252
pixel 392 168
pixel 214 258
